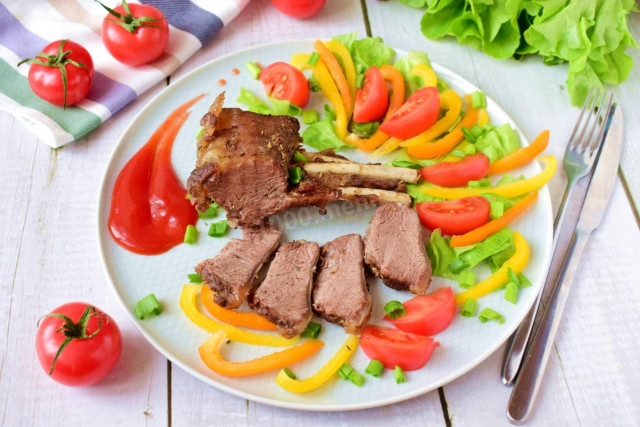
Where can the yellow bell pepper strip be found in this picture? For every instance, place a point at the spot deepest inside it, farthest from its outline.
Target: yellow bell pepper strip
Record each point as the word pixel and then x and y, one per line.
pixel 339 50
pixel 328 87
pixel 323 375
pixel 396 100
pixel 483 117
pixel 517 263
pixel 190 308
pixel 450 101
pixel 440 147
pixel 513 189
pixel 428 76
pixel 479 234
pixel 210 354
pixel 250 320
pixel 387 147
pixel 521 156
pixel 336 72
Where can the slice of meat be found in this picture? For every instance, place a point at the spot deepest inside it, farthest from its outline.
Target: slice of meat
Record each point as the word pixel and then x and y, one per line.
pixel 284 296
pixel 394 249
pixel 340 294
pixel 230 273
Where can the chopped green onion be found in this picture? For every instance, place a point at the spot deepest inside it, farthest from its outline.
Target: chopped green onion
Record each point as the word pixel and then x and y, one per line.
pixel 190 235
pixel 194 278
pixel 298 157
pixel 314 86
pixel 398 375
pixel 496 209
pixel 482 183
pixel 344 371
pixel 489 314
pixel 312 331
pixel 356 378
pixel 466 279
pixel 523 281
pixel 468 135
pixel 394 309
pixel 329 112
pixel 457 266
pixel 478 100
pixel 458 153
pixel 212 212
pixel 289 373
pixel 295 175
pixel 469 308
pixel 309 116
pixel 470 149
pixel 147 306
pixel 253 69
pixel 313 59
pixel 199 134
pixel 511 292
pixel 512 276
pixel 359 80
pixel 375 368
pixel 218 229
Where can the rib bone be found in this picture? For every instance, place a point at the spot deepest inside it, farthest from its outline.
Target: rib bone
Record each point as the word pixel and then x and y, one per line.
pixel 372 171
pixel 355 194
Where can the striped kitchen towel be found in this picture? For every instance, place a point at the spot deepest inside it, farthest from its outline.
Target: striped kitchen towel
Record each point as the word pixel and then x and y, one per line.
pixel 28 26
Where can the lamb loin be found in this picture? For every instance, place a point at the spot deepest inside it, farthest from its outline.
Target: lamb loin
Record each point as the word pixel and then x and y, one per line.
pixel 340 294
pixel 394 249
pixel 230 273
pixel 284 296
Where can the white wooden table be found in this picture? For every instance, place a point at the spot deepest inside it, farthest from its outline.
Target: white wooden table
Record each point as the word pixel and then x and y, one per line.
pixel 49 256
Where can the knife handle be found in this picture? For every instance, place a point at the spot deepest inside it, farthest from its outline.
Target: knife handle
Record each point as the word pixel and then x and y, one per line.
pixel 532 372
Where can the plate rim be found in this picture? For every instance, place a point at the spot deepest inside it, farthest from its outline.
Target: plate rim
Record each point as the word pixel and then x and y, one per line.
pixel 544 196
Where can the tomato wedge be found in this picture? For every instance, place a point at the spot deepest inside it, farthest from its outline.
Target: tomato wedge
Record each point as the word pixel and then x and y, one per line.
pixel 427 314
pixel 372 100
pixel 283 81
pixel 454 216
pixel 416 115
pixel 394 348
pixel 457 174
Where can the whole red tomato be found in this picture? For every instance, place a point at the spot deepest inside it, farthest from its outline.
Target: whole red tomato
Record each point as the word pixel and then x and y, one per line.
pixel 48 69
pixel 135 34
pixel 300 9
pixel 78 344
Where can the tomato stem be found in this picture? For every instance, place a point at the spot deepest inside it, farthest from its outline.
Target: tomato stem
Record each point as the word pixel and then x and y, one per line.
pixel 75 331
pixel 128 21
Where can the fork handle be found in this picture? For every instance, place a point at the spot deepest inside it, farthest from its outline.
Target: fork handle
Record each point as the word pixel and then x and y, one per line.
pixel 530 378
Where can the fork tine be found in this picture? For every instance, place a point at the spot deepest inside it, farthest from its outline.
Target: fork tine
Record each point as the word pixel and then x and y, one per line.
pixel 595 145
pixel 580 137
pixel 579 121
pixel 588 140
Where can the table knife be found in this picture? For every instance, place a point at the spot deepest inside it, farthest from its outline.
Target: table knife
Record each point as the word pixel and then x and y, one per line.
pixel 598 195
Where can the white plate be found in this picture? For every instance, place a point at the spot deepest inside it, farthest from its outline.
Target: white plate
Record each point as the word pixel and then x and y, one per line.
pixel 464 344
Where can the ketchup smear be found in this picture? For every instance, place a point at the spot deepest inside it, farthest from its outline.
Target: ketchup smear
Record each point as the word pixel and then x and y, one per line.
pixel 149 212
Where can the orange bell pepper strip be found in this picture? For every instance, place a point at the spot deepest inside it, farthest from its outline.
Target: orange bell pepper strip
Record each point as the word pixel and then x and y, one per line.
pixel 440 147
pixel 250 320
pixel 396 100
pixel 336 72
pixel 450 101
pixel 339 50
pixel 210 355
pixel 479 234
pixel 513 189
pixel 517 263
pixel 521 156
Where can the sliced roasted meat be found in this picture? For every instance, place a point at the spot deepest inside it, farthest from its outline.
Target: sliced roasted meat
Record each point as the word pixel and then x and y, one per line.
pixel 394 249
pixel 340 294
pixel 230 273
pixel 284 296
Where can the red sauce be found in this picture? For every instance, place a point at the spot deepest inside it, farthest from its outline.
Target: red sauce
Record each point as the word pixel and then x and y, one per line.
pixel 235 71
pixel 149 213
pixel 222 82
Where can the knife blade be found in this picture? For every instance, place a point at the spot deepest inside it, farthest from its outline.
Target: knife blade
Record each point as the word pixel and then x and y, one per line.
pixel 602 183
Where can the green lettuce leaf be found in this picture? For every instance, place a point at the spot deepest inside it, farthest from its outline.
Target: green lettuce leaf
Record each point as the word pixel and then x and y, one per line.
pixel 406 63
pixel 441 255
pixel 371 51
pixel 321 136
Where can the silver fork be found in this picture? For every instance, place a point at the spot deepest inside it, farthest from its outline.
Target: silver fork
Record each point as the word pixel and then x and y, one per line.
pixel 579 158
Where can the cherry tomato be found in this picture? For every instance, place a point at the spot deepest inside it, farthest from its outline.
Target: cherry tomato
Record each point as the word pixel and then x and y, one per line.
pixel 427 314
pixel 145 42
pixel 300 9
pixel 454 216
pixel 457 174
pixel 416 115
pixel 283 81
pixel 94 346
pixel 372 100
pixel 397 348
pixel 47 81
